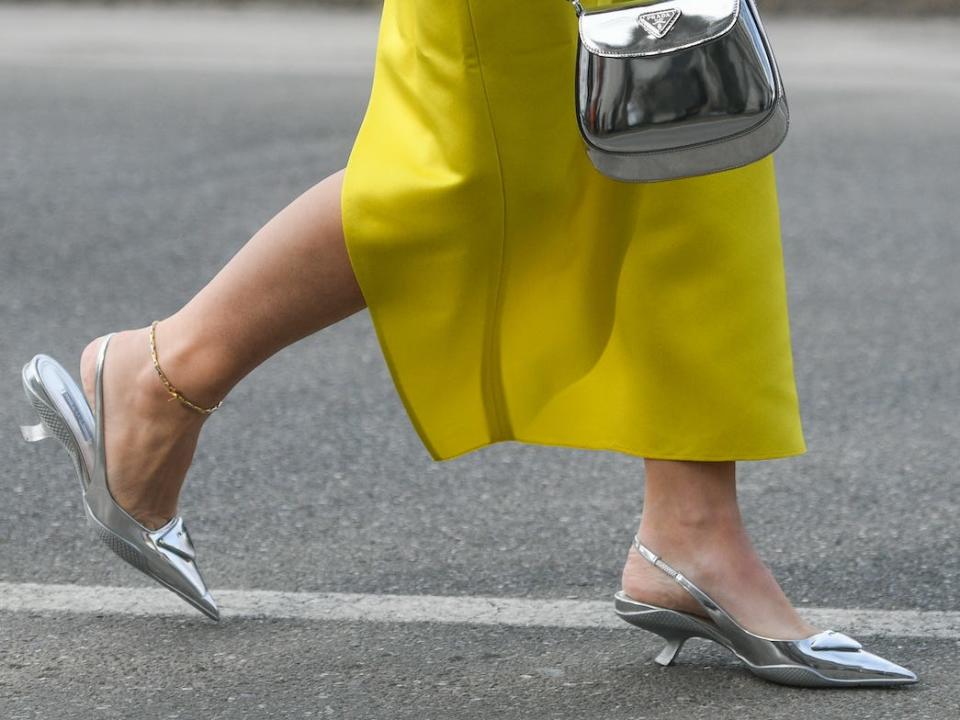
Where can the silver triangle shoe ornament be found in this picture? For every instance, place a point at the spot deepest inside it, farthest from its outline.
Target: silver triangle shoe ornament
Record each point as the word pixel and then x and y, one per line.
pixel 166 554
pixel 826 659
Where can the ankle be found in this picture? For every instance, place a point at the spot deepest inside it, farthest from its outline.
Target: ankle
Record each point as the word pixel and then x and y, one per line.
pixel 689 536
pixel 193 365
pixel 149 393
pixel 711 554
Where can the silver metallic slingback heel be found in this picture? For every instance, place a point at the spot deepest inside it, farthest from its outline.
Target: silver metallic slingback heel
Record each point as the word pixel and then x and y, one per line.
pixel 167 554
pixel 826 659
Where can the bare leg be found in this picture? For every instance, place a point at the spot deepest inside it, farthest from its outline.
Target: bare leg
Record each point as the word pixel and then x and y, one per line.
pixel 691 519
pixel 291 279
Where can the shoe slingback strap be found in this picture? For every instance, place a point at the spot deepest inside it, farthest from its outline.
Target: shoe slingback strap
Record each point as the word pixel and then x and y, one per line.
pixel 101 460
pixel 713 610
pixel 98 496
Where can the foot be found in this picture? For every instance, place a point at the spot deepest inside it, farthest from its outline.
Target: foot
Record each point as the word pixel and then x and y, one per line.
pixel 150 440
pixel 728 570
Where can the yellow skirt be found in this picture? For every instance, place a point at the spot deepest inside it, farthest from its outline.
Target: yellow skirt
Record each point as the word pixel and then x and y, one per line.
pixel 518 294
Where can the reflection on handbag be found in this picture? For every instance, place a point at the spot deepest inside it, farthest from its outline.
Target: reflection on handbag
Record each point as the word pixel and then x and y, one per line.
pixel 676 88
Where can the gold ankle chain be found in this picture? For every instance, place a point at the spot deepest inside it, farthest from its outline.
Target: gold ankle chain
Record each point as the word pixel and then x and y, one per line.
pixel 166 383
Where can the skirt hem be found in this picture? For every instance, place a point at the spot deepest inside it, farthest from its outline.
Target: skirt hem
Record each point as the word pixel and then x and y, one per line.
pixel 635 452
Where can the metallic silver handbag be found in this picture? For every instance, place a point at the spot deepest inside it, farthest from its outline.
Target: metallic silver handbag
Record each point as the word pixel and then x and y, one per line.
pixel 676 88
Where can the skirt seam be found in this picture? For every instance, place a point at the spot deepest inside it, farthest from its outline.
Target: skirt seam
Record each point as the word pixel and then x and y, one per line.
pixel 493 371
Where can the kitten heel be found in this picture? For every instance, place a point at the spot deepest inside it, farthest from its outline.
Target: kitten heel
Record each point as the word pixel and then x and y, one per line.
pixel 670 650
pixel 35 433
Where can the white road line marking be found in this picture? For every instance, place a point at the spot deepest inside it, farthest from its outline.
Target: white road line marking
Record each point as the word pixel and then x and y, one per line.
pixel 516 612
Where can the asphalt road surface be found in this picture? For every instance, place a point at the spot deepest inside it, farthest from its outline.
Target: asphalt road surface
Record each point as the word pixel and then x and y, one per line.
pixel 140 148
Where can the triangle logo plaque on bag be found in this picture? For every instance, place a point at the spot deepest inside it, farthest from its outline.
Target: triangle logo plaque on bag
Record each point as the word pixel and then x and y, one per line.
pixel 659 23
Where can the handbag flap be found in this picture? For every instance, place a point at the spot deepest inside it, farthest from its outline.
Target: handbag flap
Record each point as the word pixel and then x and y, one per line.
pixel 655 28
